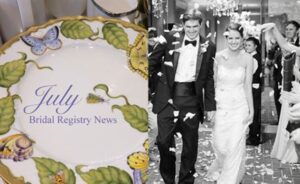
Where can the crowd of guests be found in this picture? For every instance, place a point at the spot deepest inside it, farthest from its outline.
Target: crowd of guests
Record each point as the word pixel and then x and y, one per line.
pixel 287 102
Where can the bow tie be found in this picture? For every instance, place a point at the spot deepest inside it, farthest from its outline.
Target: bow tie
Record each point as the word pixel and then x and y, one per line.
pixel 194 42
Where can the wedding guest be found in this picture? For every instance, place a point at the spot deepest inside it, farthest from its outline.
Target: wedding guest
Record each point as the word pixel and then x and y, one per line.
pixel 251 46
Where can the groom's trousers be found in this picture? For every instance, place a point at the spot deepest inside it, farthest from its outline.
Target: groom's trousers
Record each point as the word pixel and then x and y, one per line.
pixel 187 124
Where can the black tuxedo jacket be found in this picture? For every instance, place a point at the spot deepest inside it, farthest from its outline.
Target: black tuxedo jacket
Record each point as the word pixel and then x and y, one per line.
pixel 204 72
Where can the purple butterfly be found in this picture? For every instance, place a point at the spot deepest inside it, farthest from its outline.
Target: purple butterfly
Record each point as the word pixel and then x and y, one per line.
pixel 40 45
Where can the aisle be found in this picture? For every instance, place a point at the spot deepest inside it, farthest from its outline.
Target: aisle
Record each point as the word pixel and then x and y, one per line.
pixel 260 167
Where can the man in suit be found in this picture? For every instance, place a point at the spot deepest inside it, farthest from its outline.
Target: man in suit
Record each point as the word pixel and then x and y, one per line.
pixel 252 47
pixel 186 71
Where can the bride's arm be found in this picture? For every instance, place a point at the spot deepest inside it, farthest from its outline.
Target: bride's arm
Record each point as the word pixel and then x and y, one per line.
pixel 248 87
pixel 296 69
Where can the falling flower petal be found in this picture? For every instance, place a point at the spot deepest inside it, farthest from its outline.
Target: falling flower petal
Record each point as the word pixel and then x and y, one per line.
pixel 176 35
pixel 189 115
pixel 160 39
pixel 195 175
pixel 175 43
pixel 271 93
pixel 207 23
pixel 171 52
pixel 181 16
pixel 226 33
pixel 175 113
pixel 172 150
pixel 168 63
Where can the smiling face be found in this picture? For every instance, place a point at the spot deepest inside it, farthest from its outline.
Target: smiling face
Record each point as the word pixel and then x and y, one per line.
pixel 191 28
pixel 250 46
pixel 234 40
pixel 290 31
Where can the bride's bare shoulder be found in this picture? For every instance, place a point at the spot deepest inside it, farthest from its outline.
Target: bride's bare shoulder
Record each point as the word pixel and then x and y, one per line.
pixel 221 55
pixel 247 57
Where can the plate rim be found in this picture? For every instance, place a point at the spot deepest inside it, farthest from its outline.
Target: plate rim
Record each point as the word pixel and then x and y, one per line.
pixel 35 28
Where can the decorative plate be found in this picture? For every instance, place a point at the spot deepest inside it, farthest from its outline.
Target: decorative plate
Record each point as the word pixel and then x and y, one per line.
pixel 73 100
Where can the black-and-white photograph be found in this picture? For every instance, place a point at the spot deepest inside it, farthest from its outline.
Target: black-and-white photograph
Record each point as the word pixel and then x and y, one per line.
pixel 224 92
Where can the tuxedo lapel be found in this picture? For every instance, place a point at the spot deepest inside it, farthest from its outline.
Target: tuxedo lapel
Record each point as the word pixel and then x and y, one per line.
pixel 177 46
pixel 199 56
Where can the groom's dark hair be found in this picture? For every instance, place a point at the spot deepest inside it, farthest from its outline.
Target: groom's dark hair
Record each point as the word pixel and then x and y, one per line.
pixel 192 14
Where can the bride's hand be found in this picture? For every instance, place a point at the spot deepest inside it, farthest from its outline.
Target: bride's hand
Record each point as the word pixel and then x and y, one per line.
pixel 267 26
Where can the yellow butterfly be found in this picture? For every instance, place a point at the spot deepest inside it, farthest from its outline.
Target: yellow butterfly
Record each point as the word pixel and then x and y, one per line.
pixel 137 54
pixel 17 147
pixel 138 161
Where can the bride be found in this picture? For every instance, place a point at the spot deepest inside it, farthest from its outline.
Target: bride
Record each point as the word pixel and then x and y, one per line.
pixel 233 80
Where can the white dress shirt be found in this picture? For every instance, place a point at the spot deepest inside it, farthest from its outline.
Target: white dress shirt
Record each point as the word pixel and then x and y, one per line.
pixel 255 62
pixel 186 69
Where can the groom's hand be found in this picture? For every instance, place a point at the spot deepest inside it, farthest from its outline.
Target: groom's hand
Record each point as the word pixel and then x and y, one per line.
pixel 211 116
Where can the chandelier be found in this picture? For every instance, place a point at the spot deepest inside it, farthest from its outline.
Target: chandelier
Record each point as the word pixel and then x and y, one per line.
pixel 222 7
pixel 243 18
pixel 159 7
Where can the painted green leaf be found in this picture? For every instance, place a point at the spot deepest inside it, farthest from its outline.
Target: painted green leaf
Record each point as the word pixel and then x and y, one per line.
pixel 115 36
pixel 50 170
pixel 136 116
pixel 8 176
pixel 7 112
pixel 77 29
pixel 12 71
pixel 105 175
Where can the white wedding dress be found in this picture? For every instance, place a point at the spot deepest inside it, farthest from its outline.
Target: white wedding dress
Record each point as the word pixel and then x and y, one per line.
pixel 229 133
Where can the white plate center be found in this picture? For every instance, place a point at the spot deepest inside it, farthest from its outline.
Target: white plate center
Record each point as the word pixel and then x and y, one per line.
pixel 55 113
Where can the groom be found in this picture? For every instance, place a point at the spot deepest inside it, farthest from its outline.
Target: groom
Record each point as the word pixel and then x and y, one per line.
pixel 186 69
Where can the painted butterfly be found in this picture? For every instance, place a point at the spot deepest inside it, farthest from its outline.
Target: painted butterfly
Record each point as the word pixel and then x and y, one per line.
pixel 17 147
pixel 138 160
pixel 40 45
